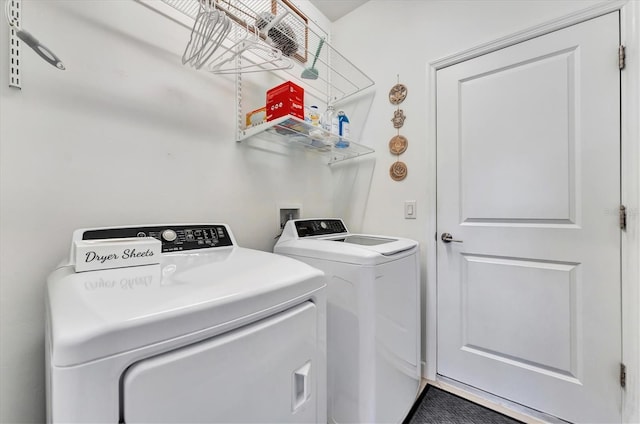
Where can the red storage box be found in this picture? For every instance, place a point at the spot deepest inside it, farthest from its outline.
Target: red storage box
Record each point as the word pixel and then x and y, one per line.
pixel 285 99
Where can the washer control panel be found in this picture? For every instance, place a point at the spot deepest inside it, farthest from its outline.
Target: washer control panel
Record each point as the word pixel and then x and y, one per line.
pixel 319 227
pixel 173 238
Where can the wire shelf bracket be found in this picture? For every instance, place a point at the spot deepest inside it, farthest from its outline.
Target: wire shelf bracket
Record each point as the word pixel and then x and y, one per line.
pixel 325 74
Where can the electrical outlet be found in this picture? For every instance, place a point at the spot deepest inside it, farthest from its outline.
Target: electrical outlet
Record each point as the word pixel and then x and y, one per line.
pixel 410 211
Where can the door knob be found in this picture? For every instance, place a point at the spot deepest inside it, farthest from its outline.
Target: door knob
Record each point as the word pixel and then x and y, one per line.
pixel 448 238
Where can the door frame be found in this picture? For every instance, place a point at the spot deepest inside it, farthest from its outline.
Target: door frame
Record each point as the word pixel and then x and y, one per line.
pixel 630 185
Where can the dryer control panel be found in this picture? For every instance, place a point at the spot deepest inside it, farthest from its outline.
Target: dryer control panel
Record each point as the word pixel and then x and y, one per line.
pixel 319 227
pixel 174 238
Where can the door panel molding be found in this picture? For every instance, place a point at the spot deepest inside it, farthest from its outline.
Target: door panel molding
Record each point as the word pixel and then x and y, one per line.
pixel 529 33
pixel 557 189
pixel 630 145
pixel 521 283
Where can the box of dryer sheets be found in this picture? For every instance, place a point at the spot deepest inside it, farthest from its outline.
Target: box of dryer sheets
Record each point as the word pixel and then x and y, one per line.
pixel 91 255
pixel 256 117
pixel 285 99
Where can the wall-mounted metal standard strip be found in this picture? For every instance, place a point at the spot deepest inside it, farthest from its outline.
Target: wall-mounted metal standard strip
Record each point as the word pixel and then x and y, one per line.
pixel 15 10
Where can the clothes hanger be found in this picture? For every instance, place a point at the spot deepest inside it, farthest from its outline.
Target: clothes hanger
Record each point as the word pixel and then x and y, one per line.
pixel 209 30
pixel 276 62
pixel 205 21
pixel 218 35
pixel 254 44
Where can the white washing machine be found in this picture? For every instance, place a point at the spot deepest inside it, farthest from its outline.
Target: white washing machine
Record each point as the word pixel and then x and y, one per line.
pixel 213 333
pixel 373 317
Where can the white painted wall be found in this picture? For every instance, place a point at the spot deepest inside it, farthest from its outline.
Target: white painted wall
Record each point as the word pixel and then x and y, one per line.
pixel 125 135
pixel 128 135
pixel 405 36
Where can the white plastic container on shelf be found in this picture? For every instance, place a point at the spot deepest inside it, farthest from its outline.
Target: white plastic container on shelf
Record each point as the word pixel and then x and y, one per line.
pixel 330 120
pixel 314 116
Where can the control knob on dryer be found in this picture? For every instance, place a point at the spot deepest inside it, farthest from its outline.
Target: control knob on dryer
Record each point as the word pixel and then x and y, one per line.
pixel 169 235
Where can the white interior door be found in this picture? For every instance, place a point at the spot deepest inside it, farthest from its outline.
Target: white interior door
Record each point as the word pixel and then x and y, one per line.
pixel 528 168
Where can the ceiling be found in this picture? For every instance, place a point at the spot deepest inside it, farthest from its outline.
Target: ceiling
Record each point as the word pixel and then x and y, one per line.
pixel 335 9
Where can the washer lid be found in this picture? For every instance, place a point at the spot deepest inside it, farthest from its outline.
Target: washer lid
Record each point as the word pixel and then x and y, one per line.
pixel 361 249
pixel 96 314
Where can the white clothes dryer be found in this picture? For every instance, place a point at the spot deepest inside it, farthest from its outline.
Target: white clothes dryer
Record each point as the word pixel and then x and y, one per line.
pixel 213 333
pixel 373 317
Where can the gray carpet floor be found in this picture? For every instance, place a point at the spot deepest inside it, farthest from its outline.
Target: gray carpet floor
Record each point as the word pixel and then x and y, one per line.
pixel 440 407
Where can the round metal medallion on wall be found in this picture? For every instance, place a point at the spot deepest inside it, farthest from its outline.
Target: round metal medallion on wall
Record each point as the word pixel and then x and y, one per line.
pixel 398 144
pixel 397 94
pixel 398 171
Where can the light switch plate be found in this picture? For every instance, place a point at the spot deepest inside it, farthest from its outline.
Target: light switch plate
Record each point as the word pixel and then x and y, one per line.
pixel 410 211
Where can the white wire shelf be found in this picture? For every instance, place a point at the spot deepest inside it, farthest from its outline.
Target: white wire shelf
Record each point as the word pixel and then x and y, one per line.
pixel 303 43
pixel 297 36
pixel 297 133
